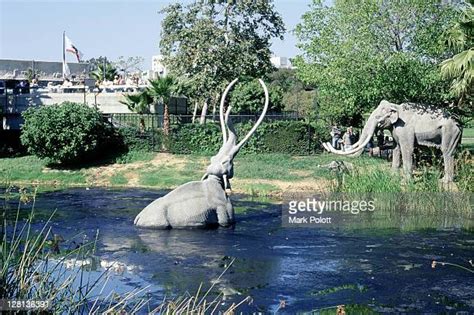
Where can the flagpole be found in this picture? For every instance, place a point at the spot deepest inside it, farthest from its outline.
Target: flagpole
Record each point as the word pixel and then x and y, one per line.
pixel 64 54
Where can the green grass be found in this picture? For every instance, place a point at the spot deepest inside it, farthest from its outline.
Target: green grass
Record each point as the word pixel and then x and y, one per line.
pixel 258 189
pixel 468 133
pixel 166 177
pixel 291 168
pixel 31 169
pixel 370 181
pixel 135 156
pixel 256 172
pixel 118 179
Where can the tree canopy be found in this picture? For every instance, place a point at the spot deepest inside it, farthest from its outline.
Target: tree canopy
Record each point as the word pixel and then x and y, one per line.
pixel 209 43
pixel 248 97
pixel 460 67
pixel 358 53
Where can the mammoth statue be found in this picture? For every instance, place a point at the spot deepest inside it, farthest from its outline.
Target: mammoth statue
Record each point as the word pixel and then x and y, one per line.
pixel 411 124
pixel 203 203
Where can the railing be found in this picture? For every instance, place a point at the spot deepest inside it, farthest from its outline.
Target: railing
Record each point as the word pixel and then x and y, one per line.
pixel 153 121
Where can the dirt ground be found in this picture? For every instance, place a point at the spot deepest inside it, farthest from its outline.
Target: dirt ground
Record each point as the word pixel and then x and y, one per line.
pixel 101 176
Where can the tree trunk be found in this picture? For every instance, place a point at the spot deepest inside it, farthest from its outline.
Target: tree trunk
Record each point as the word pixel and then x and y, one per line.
pixel 214 111
pixel 166 120
pixel 214 106
pixel 203 113
pixel 195 111
pixel 142 124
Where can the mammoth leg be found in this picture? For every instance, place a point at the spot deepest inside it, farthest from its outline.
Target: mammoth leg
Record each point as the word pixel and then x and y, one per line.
pixel 225 214
pixel 396 158
pixel 449 142
pixel 407 157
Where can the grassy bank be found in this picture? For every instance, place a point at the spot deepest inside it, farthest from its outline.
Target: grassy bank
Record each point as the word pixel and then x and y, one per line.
pixel 261 174
pixel 255 174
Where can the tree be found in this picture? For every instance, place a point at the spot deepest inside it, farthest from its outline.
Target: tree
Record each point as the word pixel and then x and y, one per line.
pixel 297 96
pixel 248 97
pixel 107 71
pixel 161 90
pixel 138 103
pixel 358 53
pixel 460 67
pixel 130 64
pixel 212 42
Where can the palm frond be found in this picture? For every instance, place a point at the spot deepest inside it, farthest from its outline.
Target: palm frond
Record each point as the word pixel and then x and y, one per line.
pixel 138 103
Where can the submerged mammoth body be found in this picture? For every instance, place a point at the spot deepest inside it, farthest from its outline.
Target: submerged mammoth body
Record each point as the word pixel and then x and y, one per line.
pixel 194 204
pixel 203 203
pixel 411 125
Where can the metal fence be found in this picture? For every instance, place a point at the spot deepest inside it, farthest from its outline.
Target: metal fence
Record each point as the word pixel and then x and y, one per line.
pixel 145 129
pixel 155 121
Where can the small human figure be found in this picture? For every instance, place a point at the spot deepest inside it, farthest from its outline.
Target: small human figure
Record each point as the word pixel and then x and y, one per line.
pixel 116 80
pixel 380 138
pixel 336 136
pixel 67 83
pixel 121 80
pixel 34 82
pixel 354 135
pixel 370 146
pixel 347 139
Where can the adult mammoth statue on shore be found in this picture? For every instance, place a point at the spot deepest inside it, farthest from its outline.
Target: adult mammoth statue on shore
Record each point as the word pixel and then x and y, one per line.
pixel 411 124
pixel 203 203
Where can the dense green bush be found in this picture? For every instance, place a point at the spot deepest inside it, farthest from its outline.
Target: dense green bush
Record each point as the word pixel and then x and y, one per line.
pixel 293 137
pixel 194 138
pixel 137 140
pixel 66 133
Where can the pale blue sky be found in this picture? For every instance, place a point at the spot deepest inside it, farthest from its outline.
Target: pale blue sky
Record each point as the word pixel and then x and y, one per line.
pixel 32 29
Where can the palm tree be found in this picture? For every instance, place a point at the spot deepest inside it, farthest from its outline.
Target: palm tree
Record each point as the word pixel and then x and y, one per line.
pixel 161 90
pixel 138 103
pixel 110 72
pixel 460 67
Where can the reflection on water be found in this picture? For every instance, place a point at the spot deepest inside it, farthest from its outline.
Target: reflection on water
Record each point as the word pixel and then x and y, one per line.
pixel 384 264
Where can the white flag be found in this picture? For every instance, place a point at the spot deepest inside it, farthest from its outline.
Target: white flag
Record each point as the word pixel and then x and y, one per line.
pixel 69 46
pixel 66 71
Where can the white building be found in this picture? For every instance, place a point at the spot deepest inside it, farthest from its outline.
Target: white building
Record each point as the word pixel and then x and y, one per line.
pixel 157 66
pixel 281 62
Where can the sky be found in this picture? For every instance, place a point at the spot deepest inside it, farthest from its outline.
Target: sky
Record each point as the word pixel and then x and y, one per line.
pixel 32 29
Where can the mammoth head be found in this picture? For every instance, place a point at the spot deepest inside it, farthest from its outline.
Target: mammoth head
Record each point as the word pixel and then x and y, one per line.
pixel 386 114
pixel 222 164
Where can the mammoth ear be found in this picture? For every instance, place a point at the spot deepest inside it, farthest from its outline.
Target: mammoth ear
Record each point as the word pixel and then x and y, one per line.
pixel 393 114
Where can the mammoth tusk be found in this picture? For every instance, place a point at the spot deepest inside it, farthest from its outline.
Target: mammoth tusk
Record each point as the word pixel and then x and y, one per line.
pixel 260 119
pixel 226 183
pixel 204 177
pixel 356 154
pixel 224 178
pixel 221 109
pixel 352 152
pixel 227 114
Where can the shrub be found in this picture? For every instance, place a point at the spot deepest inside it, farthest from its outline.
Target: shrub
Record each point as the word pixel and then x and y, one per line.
pixel 65 133
pixel 191 138
pixel 136 140
pixel 292 137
